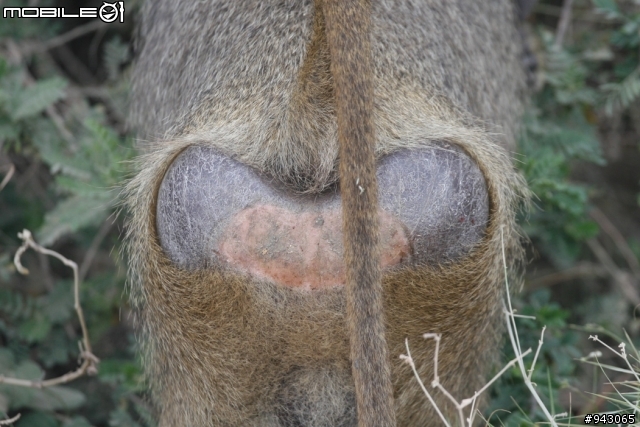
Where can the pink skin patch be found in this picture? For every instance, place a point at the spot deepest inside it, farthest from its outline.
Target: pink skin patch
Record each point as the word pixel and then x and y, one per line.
pixel 303 250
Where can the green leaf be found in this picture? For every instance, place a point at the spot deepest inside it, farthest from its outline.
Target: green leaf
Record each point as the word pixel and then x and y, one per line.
pixel 116 371
pixel 116 53
pixel 36 98
pixel 57 349
pixel 57 398
pixel 8 131
pixel 145 414
pixel 81 188
pixel 73 214
pixel 583 230
pixel 77 422
pixel 4 403
pixel 7 360
pixel 4 67
pixel 37 419
pixel 608 7
pixel 58 304
pixel 28 370
pixel 620 95
pixel 121 418
pixel 35 329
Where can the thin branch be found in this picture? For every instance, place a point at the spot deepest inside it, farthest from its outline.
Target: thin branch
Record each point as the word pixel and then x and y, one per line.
pixel 565 20
pixel 580 270
pixel 535 358
pixel 89 365
pixel 623 279
pixel 10 420
pixel 607 226
pixel 511 319
pixel 73 66
pixel 515 341
pixel 408 359
pixel 436 383
pixel 517 359
pixel 524 316
pixel 114 110
pixel 621 354
pixel 472 411
pixel 436 337
pixel 65 38
pixel 613 383
pixel 513 337
pixel 8 176
pixel 436 378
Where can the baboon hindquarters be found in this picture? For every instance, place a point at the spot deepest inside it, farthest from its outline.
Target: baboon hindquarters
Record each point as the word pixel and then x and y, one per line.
pixel 235 236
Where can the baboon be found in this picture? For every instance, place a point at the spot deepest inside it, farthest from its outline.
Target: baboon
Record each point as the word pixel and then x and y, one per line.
pixel 265 128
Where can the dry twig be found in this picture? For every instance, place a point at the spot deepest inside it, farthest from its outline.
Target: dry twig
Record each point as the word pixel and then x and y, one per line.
pixel 623 279
pixel 578 271
pixel 519 360
pixel 612 231
pixel 565 20
pixel 515 343
pixel 89 365
pixel 8 176
pixel 10 421
pixel 64 38
pixel 460 406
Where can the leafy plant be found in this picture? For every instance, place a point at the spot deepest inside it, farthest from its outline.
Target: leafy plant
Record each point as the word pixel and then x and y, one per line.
pixel 592 78
pixel 558 131
pixel 554 368
pixel 71 141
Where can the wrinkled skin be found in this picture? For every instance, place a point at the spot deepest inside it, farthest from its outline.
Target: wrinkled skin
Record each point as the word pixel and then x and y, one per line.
pixel 235 235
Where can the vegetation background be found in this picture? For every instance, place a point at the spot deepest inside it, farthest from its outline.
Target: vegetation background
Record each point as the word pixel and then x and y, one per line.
pixel 64 140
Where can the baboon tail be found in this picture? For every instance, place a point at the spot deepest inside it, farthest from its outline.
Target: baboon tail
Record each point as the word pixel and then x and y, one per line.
pixel 348 37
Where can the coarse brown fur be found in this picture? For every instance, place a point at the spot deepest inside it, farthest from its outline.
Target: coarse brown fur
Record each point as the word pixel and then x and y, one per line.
pixel 348 27
pixel 219 346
